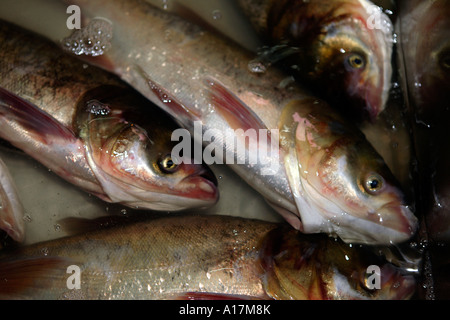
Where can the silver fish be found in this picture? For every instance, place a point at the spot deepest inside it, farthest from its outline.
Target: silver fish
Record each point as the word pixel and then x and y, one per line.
pixel 92 129
pixel 200 78
pixel 199 257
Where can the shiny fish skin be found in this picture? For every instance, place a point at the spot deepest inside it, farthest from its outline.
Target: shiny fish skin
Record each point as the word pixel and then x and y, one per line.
pixel 198 257
pixel 319 40
pixel 11 208
pixel 193 75
pixel 87 126
pixel 424 56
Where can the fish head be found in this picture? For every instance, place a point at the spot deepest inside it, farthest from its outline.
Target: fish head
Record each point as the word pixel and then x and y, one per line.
pixel 357 272
pixel 316 267
pixel 344 50
pixel 353 63
pixel 342 185
pixel 130 153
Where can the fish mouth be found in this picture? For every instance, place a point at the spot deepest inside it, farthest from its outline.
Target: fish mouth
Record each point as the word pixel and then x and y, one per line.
pixel 390 225
pixel 398 218
pixel 375 102
pixel 201 185
pixel 399 286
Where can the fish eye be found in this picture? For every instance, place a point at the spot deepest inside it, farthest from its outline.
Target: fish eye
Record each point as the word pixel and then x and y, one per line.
pixel 167 164
pixel 374 183
pixel 356 61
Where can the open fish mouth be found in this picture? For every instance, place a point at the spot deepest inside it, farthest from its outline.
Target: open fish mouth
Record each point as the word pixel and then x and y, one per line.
pixel 206 186
pixel 398 286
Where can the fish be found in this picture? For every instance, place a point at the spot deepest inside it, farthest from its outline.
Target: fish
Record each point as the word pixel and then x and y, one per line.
pixel 203 81
pixel 424 62
pixel 214 95
pixel 198 257
pixel 426 59
pixel 11 207
pixel 93 130
pixel 343 49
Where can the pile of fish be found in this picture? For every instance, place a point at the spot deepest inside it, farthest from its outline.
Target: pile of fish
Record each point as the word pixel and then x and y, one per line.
pixel 300 116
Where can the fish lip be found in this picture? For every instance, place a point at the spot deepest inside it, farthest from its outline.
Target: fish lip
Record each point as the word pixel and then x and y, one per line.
pixel 405 221
pixel 208 192
pixel 401 286
pixel 373 107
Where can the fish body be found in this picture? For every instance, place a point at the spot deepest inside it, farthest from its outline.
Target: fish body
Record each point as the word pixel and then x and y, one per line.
pixel 11 208
pixel 200 78
pixel 92 129
pixel 342 48
pixel 198 257
pixel 424 56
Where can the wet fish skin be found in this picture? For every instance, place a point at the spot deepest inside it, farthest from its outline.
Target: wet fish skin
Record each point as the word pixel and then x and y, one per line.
pixel 198 257
pixel 330 45
pixel 87 126
pixel 11 208
pixel 152 58
pixel 424 61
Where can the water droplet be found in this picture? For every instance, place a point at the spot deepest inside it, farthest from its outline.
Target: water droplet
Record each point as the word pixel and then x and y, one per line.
pixel 97 108
pixel 44 251
pixel 124 211
pixel 256 66
pixel 57 227
pixel 217 15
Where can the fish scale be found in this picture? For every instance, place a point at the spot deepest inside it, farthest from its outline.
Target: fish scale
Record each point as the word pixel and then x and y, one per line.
pixel 198 257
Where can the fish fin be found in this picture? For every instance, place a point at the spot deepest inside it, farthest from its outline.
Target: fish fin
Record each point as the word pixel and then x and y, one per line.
pixel 211 296
pixel 21 277
pixel 168 102
pixel 32 118
pixel 11 209
pixel 231 108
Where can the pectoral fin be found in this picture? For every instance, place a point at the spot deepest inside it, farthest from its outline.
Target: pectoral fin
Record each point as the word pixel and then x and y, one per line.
pixel 36 121
pixel 231 108
pixel 11 209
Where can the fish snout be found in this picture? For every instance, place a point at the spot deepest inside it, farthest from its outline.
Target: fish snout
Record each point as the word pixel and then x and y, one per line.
pixel 375 102
pixel 398 218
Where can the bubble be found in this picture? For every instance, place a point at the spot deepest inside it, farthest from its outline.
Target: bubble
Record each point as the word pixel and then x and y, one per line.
pixel 217 15
pixel 44 251
pixel 256 66
pixel 97 108
pixel 92 40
